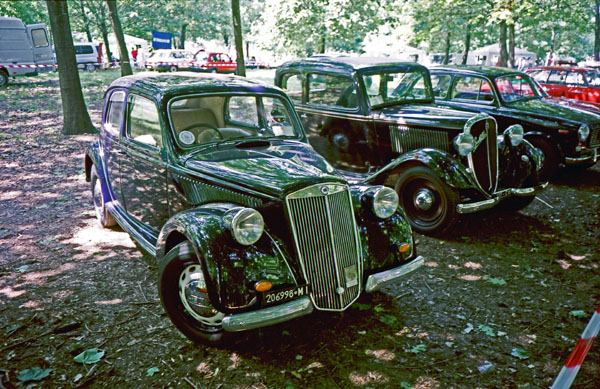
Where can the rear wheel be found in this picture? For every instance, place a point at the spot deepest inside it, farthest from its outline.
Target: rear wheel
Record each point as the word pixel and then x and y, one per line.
pixel 102 214
pixel 429 203
pixel 184 296
pixel 173 68
pixel 550 165
pixel 90 67
pixel 3 78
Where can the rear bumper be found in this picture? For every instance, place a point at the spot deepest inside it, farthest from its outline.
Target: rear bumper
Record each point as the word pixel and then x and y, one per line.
pixel 585 157
pixel 304 306
pixel 499 196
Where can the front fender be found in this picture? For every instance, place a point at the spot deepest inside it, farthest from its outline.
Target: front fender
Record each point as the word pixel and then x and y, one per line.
pixel 518 165
pixel 444 165
pixel 230 269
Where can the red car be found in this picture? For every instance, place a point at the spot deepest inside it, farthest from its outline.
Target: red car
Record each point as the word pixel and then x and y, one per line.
pixel 569 82
pixel 213 62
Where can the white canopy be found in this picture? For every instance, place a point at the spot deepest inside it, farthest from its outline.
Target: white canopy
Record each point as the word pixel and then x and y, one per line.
pixel 489 55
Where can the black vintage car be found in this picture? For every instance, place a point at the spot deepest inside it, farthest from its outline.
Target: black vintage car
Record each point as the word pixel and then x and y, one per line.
pixel 378 115
pixel 564 135
pixel 213 175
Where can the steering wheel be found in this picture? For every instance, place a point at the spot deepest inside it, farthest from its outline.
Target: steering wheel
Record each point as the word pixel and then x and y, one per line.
pixel 204 136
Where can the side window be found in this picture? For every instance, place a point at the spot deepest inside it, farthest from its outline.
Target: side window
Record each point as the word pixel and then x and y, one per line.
pixel 540 75
pixel 144 124
pixel 557 77
pixel 114 113
pixel 39 37
pixel 243 111
pixel 474 89
pixel 338 91
pixel 440 84
pixel 575 78
pixel 292 84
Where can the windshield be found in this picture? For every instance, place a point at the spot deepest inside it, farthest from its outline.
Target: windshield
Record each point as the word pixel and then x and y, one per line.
pixel 516 87
pixel 397 87
pixel 198 120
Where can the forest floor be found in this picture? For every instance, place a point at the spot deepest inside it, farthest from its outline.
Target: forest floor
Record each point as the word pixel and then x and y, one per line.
pixel 500 303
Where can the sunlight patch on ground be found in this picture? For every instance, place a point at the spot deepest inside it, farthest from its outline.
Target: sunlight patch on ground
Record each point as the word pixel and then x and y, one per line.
pixel 91 237
pixel 453 267
pixel 235 361
pixel 62 294
pixel 11 293
pixel 424 382
pixel 371 377
pixel 13 194
pixel 472 265
pixel 431 264
pixel 110 302
pixel 37 277
pixel 384 355
pixel 31 304
pixel 470 277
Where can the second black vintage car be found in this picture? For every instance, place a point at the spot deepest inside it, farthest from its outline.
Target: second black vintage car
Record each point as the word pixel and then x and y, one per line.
pixel 250 226
pixel 565 135
pixel 378 115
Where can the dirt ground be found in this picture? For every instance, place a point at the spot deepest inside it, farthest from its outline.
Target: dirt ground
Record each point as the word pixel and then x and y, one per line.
pixel 500 303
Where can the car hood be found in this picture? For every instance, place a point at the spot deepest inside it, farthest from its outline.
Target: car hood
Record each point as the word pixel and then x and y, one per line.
pixel 272 168
pixel 576 104
pixel 426 115
pixel 552 110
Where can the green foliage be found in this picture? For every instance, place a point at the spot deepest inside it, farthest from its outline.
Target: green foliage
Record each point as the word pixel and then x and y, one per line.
pixel 150 372
pixel 489 331
pixel 30 12
pixel 418 349
pixel 89 356
pixel 388 319
pixel 33 374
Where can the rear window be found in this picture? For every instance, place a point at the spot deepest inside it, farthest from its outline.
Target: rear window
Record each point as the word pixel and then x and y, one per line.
pixel 39 37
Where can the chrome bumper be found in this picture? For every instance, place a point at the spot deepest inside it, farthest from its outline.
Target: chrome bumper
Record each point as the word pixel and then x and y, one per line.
pixel 591 156
pixel 378 280
pixel 268 316
pixel 499 196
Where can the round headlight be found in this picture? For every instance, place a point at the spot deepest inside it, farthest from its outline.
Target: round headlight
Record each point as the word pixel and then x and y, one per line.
pixel 515 134
pixel 247 226
pixel 464 143
pixel 385 202
pixel 583 132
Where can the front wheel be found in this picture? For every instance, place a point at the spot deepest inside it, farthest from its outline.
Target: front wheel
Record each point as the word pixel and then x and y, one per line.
pixel 173 68
pixel 102 214
pixel 184 296
pixel 3 78
pixel 550 164
pixel 429 203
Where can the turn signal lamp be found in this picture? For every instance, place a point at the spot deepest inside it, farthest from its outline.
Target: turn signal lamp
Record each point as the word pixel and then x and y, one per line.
pixel 403 248
pixel 262 286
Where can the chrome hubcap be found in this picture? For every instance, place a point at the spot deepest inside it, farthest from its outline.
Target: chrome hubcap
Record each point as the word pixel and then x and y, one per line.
pixel 98 200
pixel 424 199
pixel 193 295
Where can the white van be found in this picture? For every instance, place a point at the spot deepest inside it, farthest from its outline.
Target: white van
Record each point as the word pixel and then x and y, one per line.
pixel 24 50
pixel 87 55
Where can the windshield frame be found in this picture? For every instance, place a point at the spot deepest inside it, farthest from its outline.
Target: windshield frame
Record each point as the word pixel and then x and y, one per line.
pixel 529 80
pixel 403 70
pixel 192 149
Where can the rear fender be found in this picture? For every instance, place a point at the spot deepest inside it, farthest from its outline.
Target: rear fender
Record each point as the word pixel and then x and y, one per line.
pixel 231 269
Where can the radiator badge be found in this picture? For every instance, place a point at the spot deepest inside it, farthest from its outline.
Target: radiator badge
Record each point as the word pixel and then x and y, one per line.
pixel 325 190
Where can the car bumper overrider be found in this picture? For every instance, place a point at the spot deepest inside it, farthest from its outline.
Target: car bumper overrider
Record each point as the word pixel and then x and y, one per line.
pixel 585 157
pixel 304 306
pixel 499 196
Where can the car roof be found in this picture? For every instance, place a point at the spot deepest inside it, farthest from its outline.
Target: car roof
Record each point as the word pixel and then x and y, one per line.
pixel 164 85
pixel 570 68
pixel 347 63
pixel 490 71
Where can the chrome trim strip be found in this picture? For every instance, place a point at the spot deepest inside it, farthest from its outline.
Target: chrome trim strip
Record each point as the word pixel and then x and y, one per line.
pixel 268 316
pixel 471 163
pixel 378 280
pixel 512 192
pixel 574 161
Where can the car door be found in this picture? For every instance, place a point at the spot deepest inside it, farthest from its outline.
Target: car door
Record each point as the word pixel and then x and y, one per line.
pixel 143 168
pixel 556 85
pixel 576 87
pixel 112 124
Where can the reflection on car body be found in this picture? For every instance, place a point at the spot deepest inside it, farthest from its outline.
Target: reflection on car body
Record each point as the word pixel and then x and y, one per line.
pixel 213 175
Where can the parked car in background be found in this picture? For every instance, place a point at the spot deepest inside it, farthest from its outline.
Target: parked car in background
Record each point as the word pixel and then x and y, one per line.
pixel 213 63
pixel 569 82
pixel 164 60
pixel 379 115
pixel 564 135
pixel 213 175
pixel 86 54
pixel 25 50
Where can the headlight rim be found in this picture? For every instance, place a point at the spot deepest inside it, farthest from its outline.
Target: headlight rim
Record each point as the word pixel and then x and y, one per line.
pixel 380 210
pixel 461 140
pixel 515 134
pixel 234 221
pixel 583 128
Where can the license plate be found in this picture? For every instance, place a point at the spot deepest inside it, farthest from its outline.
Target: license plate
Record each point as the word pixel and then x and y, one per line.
pixel 279 296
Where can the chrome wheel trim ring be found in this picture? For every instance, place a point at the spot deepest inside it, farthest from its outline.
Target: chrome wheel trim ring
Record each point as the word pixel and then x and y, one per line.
pixel 190 279
pixel 98 199
pixel 424 199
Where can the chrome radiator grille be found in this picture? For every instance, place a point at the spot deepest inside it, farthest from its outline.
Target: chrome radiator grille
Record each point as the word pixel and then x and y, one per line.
pixel 327 243
pixel 595 137
pixel 404 138
pixel 483 160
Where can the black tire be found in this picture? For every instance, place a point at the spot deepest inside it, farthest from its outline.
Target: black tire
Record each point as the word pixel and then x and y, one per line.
pixel 102 214
pixel 213 70
pixel 173 68
pixel 3 78
pixel 415 186
pixel 181 273
pixel 550 165
pixel 90 67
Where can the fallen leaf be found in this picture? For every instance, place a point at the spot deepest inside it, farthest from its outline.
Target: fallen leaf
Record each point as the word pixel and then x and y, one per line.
pixel 519 353
pixel 33 374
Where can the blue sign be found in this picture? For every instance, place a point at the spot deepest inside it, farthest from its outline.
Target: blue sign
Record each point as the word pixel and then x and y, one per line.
pixel 161 40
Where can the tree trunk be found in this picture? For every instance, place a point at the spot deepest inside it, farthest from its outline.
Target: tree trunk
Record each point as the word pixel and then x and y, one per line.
pixel 114 16
pixel 322 46
pixel 503 53
pixel 86 22
pixel 76 119
pixel 468 44
pixel 511 45
pixel 447 50
pixel 182 35
pixel 597 31
pixel 237 34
